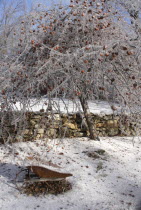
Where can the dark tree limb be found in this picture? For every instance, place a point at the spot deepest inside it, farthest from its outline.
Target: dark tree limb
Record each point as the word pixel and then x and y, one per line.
pixel 89 121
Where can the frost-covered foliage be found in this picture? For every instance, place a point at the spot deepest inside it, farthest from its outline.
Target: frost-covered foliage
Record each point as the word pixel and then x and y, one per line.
pixel 131 10
pixel 86 50
pixel 10 13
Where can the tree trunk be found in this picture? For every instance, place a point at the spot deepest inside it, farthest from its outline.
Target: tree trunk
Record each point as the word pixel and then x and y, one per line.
pixel 92 130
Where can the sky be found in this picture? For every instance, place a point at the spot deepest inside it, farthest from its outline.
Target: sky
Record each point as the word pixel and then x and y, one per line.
pixel 46 2
pixel 30 3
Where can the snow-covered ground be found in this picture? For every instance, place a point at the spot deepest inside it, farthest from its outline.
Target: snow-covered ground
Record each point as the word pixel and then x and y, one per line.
pixel 65 105
pixel 110 182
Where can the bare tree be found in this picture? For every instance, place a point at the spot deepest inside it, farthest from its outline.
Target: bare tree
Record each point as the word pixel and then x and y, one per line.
pixel 131 9
pixel 82 51
pixel 10 12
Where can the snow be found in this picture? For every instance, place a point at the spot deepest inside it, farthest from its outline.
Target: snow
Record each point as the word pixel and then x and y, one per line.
pixel 110 182
pixel 65 106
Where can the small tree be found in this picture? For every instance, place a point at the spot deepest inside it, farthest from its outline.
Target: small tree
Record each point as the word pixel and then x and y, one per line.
pixel 82 51
pixel 10 12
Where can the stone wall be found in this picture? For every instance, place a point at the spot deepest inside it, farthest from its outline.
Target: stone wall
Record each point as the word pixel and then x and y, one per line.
pixel 37 125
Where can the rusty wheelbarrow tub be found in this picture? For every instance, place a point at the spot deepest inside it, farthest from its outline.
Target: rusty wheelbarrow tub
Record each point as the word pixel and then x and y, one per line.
pixel 38 173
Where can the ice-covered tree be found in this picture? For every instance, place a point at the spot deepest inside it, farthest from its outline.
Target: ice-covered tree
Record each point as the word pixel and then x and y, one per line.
pixel 10 12
pixel 84 51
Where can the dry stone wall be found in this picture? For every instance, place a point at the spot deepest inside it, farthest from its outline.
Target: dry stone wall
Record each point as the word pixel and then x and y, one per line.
pixel 38 125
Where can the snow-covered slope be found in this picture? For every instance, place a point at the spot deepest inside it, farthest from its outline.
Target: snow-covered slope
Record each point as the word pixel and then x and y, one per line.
pixel 64 105
pixel 110 182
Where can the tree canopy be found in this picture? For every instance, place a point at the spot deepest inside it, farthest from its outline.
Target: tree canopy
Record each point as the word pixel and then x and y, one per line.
pixel 86 50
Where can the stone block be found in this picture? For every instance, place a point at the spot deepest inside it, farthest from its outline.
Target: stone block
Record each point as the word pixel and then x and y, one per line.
pixel 36 126
pixel 32 122
pixel 112 123
pixel 40 131
pixel 39 136
pixel 100 125
pixel 70 125
pixel 36 117
pixel 26 132
pixel 112 132
pixel 51 132
pixel 57 117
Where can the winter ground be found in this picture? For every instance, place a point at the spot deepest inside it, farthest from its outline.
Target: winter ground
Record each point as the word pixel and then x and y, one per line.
pixel 69 106
pixel 112 181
